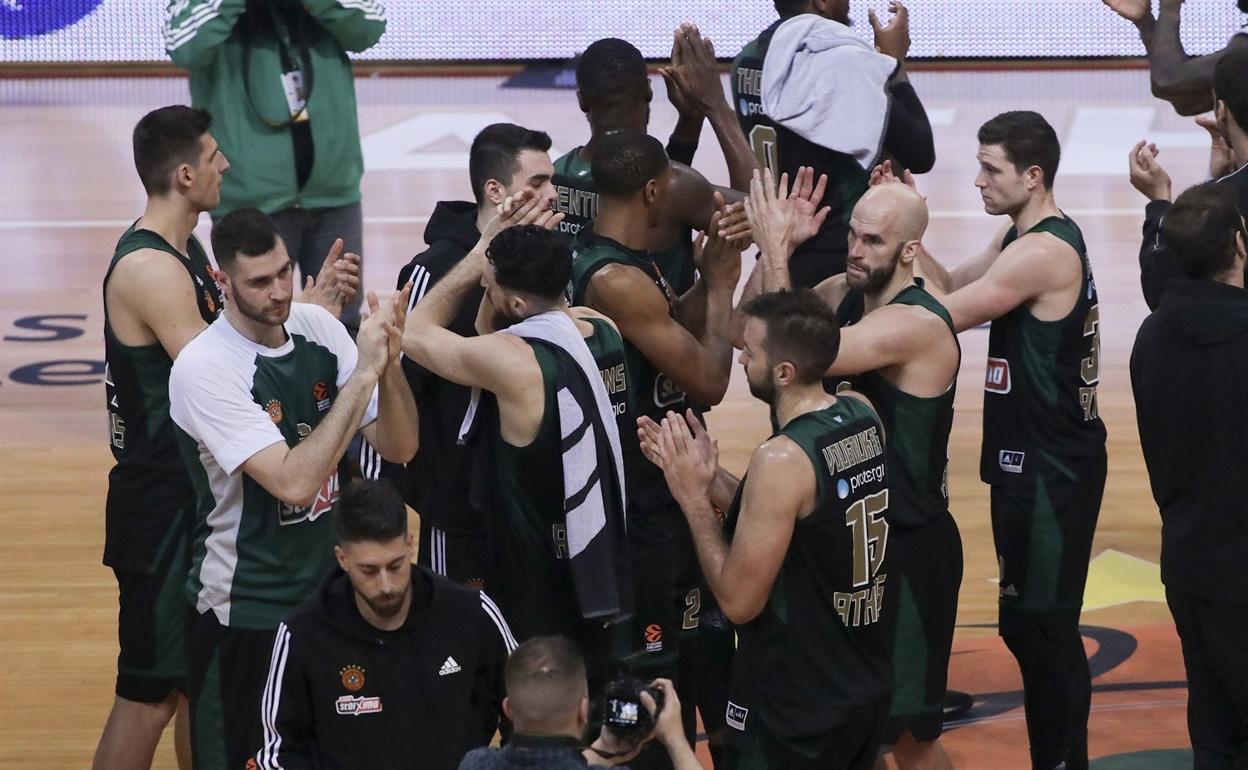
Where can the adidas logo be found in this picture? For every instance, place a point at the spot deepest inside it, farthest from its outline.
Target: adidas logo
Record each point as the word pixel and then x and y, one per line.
pixel 449 667
pixel 1009 590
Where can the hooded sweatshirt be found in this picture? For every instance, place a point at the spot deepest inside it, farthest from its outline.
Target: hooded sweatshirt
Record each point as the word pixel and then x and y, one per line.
pixel 1189 371
pixel 437 482
pixel 342 693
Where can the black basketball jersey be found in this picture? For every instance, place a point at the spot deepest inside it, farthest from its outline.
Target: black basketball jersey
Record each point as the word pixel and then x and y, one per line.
pixel 651 392
pixel 918 428
pixel 577 198
pixel 149 491
pixel 820 650
pixel 783 151
pixel 1040 404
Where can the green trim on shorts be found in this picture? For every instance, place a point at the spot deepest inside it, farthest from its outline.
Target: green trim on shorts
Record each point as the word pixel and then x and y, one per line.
pixel 1044 553
pixel 909 658
pixel 208 735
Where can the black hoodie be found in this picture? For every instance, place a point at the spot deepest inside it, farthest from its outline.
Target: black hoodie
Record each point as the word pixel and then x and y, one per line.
pixel 437 482
pixel 1189 371
pixel 342 693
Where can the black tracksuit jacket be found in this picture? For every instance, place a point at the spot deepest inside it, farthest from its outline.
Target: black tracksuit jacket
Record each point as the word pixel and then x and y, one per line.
pixel 1189 372
pixel 344 694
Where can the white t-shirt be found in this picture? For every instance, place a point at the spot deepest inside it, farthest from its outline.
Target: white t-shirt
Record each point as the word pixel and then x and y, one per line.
pixel 254 557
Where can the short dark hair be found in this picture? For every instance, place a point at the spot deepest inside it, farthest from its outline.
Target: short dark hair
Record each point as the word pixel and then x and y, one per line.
pixel 801 329
pixel 1199 229
pixel 787 8
pixel 1028 140
pixel 249 232
pixel 611 71
pixel 165 138
pixel 1230 84
pixel 624 161
pixel 531 259
pixel 495 153
pixel 545 680
pixel 369 510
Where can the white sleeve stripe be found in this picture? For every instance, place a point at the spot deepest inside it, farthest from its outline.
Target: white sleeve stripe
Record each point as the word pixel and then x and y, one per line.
pixel 268 755
pixel 208 7
pixel 175 37
pixel 420 284
pixel 372 9
pixel 496 615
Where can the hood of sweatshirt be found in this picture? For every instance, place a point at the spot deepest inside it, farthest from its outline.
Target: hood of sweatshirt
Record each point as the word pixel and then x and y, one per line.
pixel 454 221
pixel 336 604
pixel 1205 312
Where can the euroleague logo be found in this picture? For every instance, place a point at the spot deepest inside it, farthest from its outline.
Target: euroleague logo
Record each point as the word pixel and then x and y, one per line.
pixel 320 392
pixel 31 19
pixel 654 638
pixel 274 408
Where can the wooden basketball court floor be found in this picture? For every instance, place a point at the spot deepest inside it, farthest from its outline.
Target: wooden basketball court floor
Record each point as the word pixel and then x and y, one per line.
pixel 68 189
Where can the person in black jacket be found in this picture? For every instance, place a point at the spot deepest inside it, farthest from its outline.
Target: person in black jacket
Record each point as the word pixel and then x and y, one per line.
pixel 1194 448
pixel 388 664
pixel 1227 158
pixel 454 541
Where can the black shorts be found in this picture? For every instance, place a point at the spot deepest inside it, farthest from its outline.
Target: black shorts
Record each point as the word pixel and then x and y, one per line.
pixel 667 586
pixel 854 745
pixel 927 568
pixel 226 668
pixel 462 557
pixel 1043 536
pixel 151 627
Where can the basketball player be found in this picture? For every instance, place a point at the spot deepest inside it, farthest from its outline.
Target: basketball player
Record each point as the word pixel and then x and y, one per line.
pixel 266 400
pixel 907 137
pixel 537 382
pixel 613 90
pixel 1044 442
pixel 1184 81
pixel 899 349
pixel 801 562
pixel 676 348
pixel 159 293
pixel 454 539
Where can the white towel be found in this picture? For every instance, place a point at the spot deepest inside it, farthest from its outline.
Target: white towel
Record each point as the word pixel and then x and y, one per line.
pixel 827 85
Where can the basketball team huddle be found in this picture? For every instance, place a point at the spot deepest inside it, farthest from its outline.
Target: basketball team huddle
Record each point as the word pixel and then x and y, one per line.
pixel 588 575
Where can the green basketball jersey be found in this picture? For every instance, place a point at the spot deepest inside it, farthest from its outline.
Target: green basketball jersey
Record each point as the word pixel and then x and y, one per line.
pixel 578 200
pixel 918 428
pixel 1040 403
pixel 532 537
pixel 254 557
pixel 149 493
pixel 651 393
pixel 820 650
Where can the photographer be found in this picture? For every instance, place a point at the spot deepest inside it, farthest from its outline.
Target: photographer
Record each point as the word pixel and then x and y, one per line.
pixel 275 76
pixel 548 703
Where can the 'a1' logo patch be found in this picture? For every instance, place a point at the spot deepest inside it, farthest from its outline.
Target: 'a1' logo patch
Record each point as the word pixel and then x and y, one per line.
pixel 997 378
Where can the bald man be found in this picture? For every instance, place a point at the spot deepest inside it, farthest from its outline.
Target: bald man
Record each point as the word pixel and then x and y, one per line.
pixel 899 349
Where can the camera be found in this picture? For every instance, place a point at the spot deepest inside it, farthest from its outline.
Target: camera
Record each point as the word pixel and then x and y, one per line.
pixel 622 708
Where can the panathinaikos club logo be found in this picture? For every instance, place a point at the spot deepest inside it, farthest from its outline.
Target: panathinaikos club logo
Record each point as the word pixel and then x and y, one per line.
pixel 32 18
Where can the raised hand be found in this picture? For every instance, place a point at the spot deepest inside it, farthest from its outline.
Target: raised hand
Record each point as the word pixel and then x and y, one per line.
pixel 693 83
pixel 373 339
pixel 892 38
pixel 398 314
pixel 522 208
pixel 1147 175
pixel 805 198
pixel 717 258
pixel 1221 160
pixel 688 456
pixel 771 214
pixel 734 225
pixel 338 282
pixel 1131 10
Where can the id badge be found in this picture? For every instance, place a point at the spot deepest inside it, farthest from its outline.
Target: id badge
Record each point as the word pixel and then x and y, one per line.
pixel 296 99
